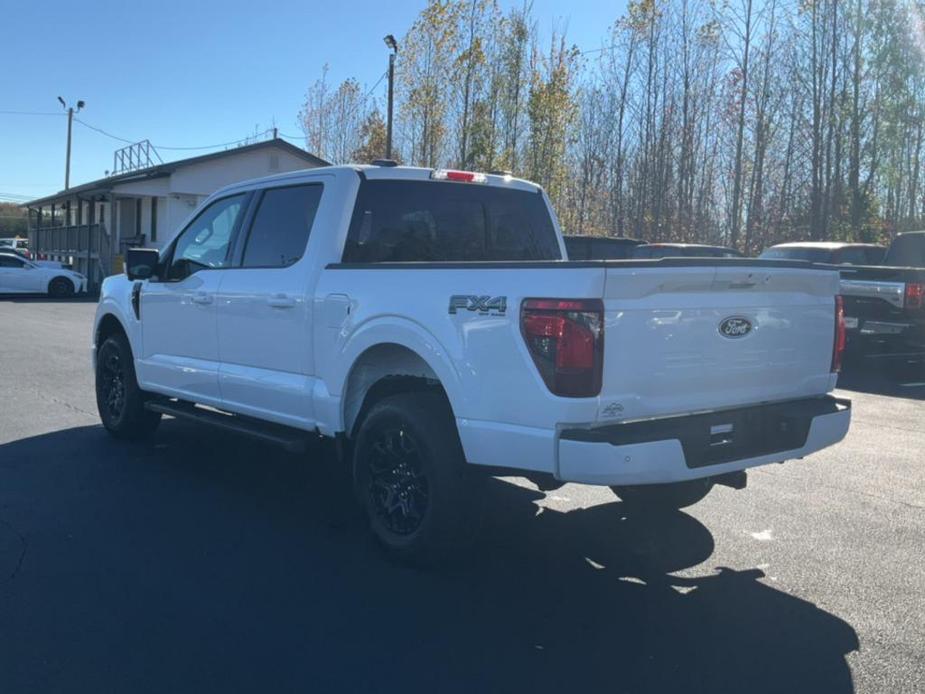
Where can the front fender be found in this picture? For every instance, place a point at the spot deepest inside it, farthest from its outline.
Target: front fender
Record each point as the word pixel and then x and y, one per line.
pixel 116 300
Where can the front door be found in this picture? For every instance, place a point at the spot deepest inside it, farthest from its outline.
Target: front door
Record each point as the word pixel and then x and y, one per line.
pixel 178 310
pixel 265 311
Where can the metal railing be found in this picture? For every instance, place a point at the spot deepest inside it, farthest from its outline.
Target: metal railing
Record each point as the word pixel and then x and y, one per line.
pixel 90 242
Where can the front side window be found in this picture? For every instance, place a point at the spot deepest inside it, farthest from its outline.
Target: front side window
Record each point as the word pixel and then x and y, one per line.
pixel 205 244
pixel 396 221
pixel 279 232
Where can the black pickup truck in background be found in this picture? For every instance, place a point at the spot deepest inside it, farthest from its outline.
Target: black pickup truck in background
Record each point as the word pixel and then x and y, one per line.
pixel 885 304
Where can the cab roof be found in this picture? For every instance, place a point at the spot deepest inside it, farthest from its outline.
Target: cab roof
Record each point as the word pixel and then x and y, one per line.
pixel 377 172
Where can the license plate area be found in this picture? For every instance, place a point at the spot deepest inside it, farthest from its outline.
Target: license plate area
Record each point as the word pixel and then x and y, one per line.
pixel 712 438
pixel 723 436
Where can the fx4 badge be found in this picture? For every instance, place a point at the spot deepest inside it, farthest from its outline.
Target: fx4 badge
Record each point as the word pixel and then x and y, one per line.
pixel 494 305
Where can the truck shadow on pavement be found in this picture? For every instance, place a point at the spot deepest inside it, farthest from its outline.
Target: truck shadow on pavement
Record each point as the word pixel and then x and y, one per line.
pixel 200 562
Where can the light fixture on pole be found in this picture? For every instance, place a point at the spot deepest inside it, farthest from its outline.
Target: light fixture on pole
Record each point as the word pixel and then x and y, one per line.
pixel 393 46
pixel 70 118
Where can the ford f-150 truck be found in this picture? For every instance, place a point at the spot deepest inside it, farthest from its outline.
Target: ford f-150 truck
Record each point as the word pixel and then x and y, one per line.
pixel 885 304
pixel 430 321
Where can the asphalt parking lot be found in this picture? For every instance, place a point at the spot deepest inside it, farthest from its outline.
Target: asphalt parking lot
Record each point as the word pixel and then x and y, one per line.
pixel 204 562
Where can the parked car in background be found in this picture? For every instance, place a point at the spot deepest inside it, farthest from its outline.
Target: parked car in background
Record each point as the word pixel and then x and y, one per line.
pixel 829 252
pixel 6 250
pixel 16 244
pixel 19 275
pixel 428 319
pixel 684 250
pixel 885 305
pixel 600 247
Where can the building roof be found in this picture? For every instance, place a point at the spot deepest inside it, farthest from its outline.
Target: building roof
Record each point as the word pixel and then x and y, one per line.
pixel 104 185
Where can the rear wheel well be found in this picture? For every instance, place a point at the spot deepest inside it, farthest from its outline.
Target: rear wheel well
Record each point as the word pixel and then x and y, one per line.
pixel 383 371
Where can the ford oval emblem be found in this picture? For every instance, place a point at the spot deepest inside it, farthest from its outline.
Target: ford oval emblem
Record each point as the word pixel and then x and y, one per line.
pixel 735 326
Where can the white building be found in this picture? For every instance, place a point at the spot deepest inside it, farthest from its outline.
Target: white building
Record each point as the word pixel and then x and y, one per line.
pixel 89 226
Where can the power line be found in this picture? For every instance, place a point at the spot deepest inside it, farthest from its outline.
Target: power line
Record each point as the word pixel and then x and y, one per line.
pixel 103 132
pixel 168 147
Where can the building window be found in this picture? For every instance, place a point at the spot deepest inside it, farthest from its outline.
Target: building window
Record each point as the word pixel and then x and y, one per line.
pixel 153 219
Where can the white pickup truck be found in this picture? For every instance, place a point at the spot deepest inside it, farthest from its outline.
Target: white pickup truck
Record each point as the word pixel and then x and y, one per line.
pixel 429 319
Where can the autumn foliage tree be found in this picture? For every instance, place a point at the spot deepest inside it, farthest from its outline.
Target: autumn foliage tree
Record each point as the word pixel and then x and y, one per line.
pixel 743 122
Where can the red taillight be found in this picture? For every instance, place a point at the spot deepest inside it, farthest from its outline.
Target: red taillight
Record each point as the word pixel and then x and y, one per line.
pixel 566 340
pixel 838 347
pixel 915 295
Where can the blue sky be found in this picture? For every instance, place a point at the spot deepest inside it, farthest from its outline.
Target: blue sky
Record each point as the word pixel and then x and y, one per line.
pixel 193 73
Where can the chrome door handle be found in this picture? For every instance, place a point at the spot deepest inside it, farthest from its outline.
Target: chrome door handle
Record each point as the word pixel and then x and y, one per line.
pixel 281 301
pixel 201 298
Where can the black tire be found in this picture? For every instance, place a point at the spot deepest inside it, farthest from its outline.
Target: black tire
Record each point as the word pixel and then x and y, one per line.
pixel 422 500
pixel 661 498
pixel 119 400
pixel 61 287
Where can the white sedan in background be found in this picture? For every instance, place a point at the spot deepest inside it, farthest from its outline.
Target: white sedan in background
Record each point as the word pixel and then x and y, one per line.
pixel 21 276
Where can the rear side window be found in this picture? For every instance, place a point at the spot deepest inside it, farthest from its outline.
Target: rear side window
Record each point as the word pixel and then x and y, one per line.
pixel 397 221
pixel 282 223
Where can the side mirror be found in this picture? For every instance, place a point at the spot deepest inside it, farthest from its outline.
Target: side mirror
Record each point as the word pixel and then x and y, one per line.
pixel 141 263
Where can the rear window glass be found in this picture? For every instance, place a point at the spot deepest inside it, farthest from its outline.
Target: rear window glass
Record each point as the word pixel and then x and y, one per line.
pixel 814 255
pixel 398 221
pixel 858 255
pixel 612 249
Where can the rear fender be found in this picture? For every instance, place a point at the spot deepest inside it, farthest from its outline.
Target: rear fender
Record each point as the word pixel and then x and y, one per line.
pixel 331 401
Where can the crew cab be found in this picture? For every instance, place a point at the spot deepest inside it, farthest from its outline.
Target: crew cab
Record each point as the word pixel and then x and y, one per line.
pixel 885 305
pixel 428 321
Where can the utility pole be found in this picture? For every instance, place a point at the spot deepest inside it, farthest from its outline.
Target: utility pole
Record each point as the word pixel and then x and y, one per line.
pixel 70 121
pixel 393 45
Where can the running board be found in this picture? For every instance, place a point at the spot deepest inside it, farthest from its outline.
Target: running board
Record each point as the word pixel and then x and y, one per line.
pixel 292 440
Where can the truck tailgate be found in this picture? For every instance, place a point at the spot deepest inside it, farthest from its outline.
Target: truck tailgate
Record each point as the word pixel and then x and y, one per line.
pixel 682 339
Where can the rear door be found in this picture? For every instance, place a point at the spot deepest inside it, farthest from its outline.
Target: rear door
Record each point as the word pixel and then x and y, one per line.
pixel 265 314
pixel 682 337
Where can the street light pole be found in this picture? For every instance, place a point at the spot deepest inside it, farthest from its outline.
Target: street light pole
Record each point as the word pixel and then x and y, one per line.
pixel 393 45
pixel 70 123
